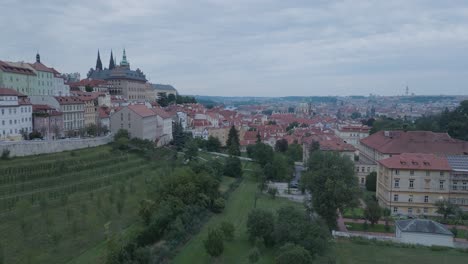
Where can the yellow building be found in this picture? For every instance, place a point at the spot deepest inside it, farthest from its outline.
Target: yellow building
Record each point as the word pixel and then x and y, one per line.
pixel 410 183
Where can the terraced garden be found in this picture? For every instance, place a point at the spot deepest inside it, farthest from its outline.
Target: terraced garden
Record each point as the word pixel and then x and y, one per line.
pixel 54 207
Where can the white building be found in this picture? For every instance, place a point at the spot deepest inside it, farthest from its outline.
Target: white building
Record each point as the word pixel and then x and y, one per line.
pixel 15 115
pixel 59 86
pixel 423 232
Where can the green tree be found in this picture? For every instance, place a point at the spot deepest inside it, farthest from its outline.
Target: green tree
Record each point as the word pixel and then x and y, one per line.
pixel 373 212
pixel 228 230
pixel 278 168
pixel 178 136
pixel 162 99
pixel 89 88
pixel 371 181
pixel 191 151
pixel 233 167
pixel 330 178
pixel 2 254
pixel 213 144
pixel 291 253
pixel 260 225
pixel 294 152
pixel 254 255
pixel 446 208
pixel 171 98
pixel 92 130
pixel 262 153
pixel 355 115
pixel 214 244
pixel 233 143
pixel 281 145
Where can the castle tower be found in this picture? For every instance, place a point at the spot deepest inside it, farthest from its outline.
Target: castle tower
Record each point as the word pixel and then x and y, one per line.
pixel 98 62
pixel 124 62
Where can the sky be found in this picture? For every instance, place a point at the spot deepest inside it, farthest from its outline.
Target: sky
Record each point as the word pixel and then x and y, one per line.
pixel 252 47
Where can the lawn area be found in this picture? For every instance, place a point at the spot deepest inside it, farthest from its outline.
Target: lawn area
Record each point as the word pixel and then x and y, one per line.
pixel 240 203
pixel 351 253
pixel 354 213
pixel 376 228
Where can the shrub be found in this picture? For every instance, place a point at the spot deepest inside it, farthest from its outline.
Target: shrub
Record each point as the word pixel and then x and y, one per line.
pixel 454 230
pixel 228 230
pixel 272 191
pixel 218 205
pixel 5 154
pixel 439 248
pixel 254 255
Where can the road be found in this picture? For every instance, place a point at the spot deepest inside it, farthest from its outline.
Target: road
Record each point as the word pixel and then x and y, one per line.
pixel 297 174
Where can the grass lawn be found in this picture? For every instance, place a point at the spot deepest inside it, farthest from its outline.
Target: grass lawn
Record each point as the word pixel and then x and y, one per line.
pixel 351 253
pixel 376 228
pixel 240 203
pixel 355 213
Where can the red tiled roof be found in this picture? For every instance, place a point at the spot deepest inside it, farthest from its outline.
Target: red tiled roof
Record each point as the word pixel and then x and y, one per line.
pixel 396 142
pixel 364 129
pixel 11 92
pixel 15 69
pixel 66 100
pixel 416 161
pixel 39 107
pixel 160 112
pixel 103 112
pixel 142 110
pixel 41 67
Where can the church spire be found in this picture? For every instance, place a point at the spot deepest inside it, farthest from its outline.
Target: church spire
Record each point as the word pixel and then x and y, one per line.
pixel 124 62
pixel 111 62
pixel 38 57
pixel 98 62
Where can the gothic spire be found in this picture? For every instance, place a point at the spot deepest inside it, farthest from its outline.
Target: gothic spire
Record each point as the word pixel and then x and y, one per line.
pixel 111 62
pixel 98 62
pixel 124 62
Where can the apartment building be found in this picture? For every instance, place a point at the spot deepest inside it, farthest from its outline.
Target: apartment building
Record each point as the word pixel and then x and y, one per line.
pixel 15 115
pixel 411 183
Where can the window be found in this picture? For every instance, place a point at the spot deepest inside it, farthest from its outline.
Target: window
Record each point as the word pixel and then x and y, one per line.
pixel 397 172
pixel 411 172
pixel 441 185
pixel 410 210
pixel 464 186
pixel 410 198
pixel 397 183
pixel 441 173
pixel 454 185
pixel 425 210
pixel 368 169
pixel 395 197
pixel 362 180
pixel 357 169
pixel 363 169
pixel 426 199
pixel 395 209
pixel 411 184
pixel 428 173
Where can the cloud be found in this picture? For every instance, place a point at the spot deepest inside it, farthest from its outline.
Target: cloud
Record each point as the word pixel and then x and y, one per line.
pixel 260 48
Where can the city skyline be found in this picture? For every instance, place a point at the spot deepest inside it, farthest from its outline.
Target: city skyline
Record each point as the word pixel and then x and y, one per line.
pixel 265 48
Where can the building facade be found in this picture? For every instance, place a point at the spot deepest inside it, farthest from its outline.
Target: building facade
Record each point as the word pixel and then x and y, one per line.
pixel 15 115
pixel 139 120
pixel 48 122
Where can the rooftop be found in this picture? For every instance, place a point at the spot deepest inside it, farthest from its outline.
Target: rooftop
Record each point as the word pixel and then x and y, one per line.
pixel 422 226
pixel 416 161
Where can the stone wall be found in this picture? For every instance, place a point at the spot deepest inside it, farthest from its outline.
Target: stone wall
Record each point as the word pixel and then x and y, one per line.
pixel 26 148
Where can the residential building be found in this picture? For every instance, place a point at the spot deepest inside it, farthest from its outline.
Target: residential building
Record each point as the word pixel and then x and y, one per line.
pixel 20 77
pixel 423 232
pixel 139 120
pixel 352 134
pixel 164 126
pixel 15 115
pixel 411 183
pixel 459 180
pixel 48 121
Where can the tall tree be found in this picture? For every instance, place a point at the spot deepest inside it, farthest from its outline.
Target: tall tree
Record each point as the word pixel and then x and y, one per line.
pixel 281 145
pixel 178 135
pixel 171 98
pixel 373 212
pixel 233 143
pixel 260 225
pixel 331 180
pixel 214 244
pixel 162 99
pixel 371 181
pixel 446 208
pixel 213 144
pixel 233 167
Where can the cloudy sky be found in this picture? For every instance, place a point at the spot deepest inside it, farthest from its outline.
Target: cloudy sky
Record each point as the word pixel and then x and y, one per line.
pixel 253 47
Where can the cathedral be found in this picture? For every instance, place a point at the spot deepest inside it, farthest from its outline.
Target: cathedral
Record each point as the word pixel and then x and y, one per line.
pixel 131 84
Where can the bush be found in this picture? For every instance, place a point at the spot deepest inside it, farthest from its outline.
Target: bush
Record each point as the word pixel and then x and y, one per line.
pixel 218 205
pixel 214 243
pixel 454 230
pixel 439 248
pixel 254 255
pixel 228 230
pixel 5 154
pixel 272 191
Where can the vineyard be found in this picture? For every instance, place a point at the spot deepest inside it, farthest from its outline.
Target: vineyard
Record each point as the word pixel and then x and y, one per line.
pixel 54 207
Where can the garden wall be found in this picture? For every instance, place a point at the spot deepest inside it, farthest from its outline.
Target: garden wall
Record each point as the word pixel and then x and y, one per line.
pixel 26 148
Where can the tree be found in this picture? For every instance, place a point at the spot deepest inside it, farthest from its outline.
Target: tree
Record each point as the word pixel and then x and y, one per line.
pixel 330 178
pixel 281 145
pixel 228 230
pixel 191 151
pixel 214 244
pixel 262 153
pixel 260 225
pixel 122 133
pixel 233 167
pixel 291 253
pixel 371 181
pixel 171 98
pixel 92 130
pixel 162 99
pixel 254 255
pixel 278 168
pixel 292 125
pixel 446 208
pixel 294 152
pixel 373 212
pixel 213 144
pixel 272 191
pixel 178 136
pixel 2 254
pixel 88 88
pixel 233 143
pixel 35 134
